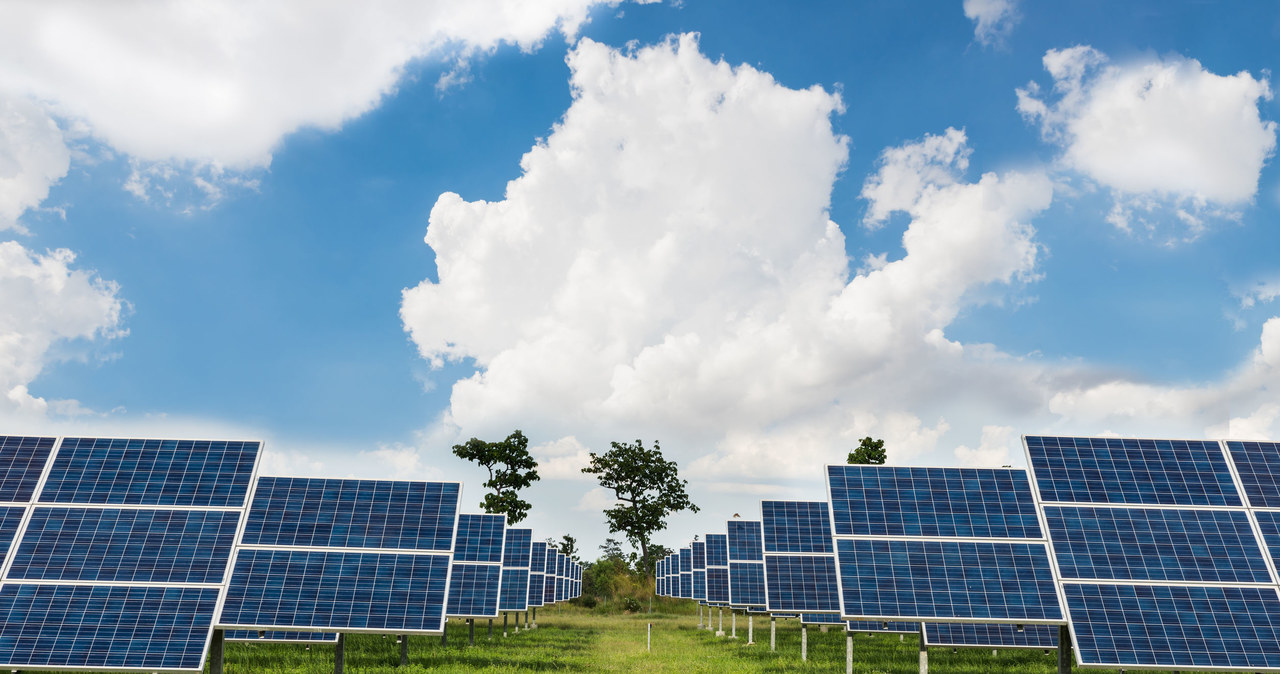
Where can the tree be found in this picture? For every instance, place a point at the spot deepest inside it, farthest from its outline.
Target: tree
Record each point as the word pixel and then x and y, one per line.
pixel 569 547
pixel 869 451
pixel 649 488
pixel 612 550
pixel 511 469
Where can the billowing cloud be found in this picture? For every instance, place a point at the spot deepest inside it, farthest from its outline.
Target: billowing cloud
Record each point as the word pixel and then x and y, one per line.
pixel 993 20
pixel 33 157
pixel 1166 136
pixel 666 265
pixel 45 303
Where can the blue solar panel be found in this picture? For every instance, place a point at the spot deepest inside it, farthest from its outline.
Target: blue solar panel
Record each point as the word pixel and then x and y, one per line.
pixel 516 549
pixel 280 637
pixel 126 545
pixel 315 512
pixel 717 550
pixel 10 520
pixel 990 635
pixel 333 590
pixel 104 626
pixel 686 586
pixel 906 579
pixel 882 626
pixel 820 619
pixel 1141 472
pixel 801 583
pixel 548 589
pixel 535 589
pixel 1165 544
pixel 473 590
pixel 1170 626
pixel 538 557
pixel 746 584
pixel 955 502
pixel 515 590
pixel 699 550
pixel 1269 524
pixel 718 584
pixel 1258 464
pixel 561 594
pixel 700 585
pixel 479 538
pixel 796 526
pixel 22 460
pixel 151 472
pixel 686 560
pixel 746 541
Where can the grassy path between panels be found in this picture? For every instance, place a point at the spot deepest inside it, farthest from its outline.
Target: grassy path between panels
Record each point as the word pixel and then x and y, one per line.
pixel 572 639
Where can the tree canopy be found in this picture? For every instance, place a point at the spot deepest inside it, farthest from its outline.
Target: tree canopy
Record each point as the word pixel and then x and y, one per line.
pixel 569 547
pixel 869 451
pixel 511 469
pixel 649 488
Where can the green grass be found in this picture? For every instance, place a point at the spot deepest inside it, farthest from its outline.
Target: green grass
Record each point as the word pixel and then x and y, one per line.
pixel 572 639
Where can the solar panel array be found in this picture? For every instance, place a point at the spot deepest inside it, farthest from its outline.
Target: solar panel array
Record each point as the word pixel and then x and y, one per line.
pixel 116 550
pixel 1158 550
pixel 377 561
pixel 799 561
pixel 940 544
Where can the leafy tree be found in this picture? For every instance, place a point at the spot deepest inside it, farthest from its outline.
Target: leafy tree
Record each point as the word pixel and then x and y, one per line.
pixel 569 547
pixel 511 469
pixel 649 488
pixel 612 550
pixel 869 451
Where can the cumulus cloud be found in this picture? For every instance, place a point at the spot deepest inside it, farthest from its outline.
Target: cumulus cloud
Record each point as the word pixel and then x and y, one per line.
pixel 666 263
pixel 1166 136
pixel 997 448
pixel 993 20
pixel 46 303
pixel 33 156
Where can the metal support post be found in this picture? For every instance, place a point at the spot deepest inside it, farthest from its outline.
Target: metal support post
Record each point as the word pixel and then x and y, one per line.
pixel 751 629
pixel 535 618
pixel 733 623
pixel 699 616
pixel 338 654
pixel 848 653
pixel 444 632
pixel 471 630
pixel 773 633
pixel 504 624
pixel 490 628
pixel 924 653
pixel 1064 650
pixel 404 650
pixel 649 639
pixel 804 642
pixel 215 653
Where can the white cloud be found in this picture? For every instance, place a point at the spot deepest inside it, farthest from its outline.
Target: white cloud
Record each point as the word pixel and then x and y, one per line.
pixel 997 448
pixel 1169 138
pixel 562 459
pixel 595 500
pixel 46 303
pixel 993 20
pixel 223 82
pixel 33 156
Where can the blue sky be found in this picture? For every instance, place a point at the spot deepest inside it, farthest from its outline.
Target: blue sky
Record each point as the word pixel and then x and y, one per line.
pixel 1047 218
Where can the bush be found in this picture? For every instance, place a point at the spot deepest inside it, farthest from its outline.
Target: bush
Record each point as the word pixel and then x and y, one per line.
pixel 631 605
pixel 586 601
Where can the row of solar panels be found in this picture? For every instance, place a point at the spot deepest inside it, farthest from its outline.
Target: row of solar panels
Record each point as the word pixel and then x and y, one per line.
pixel 126 555
pixel 1155 553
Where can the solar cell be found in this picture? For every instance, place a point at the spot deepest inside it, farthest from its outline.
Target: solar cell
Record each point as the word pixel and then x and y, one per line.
pixel 1258 464
pixel 1162 544
pixel 101 627
pixel 281 637
pixel 1131 471
pixel 801 583
pixel 479 538
pixel 473 590
pixel 932 502
pixel 1202 627
pixel 337 591
pixel 151 472
pixel 989 635
pixel 126 545
pixel 796 526
pixel 372 514
pixel 746 541
pixel 967 580
pixel 22 460
pixel 516 549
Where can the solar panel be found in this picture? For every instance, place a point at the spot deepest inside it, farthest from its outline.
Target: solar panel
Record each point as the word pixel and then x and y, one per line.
pixel 281 637
pixel 746 584
pixel 1142 472
pixel 516 559
pixel 890 626
pixel 941 544
pixel 475 578
pixel 516 550
pixel 479 538
pixel 213 474
pixel 121 558
pixel 22 461
pixel 1165 570
pixel 799 564
pixel 535 590
pixel 820 619
pixel 305 564
pixel 717 547
pixel 746 541
pixel 362 514
pixel 1258 464
pixel 718 585
pixel 989 635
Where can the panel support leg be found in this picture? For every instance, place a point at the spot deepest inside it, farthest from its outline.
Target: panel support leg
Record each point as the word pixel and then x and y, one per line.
pixel 699 616
pixel 804 642
pixel 215 653
pixel 535 618
pixel 490 628
pixel 848 653
pixel 720 615
pixel 338 655
pixel 504 624
pixel 1064 650
pixel 924 653
pixel 444 632
pixel 733 623
pixel 471 630
pixel 404 650
pixel 751 629
pixel 773 634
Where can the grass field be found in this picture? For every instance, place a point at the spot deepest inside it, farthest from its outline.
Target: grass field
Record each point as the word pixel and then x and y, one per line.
pixel 573 639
